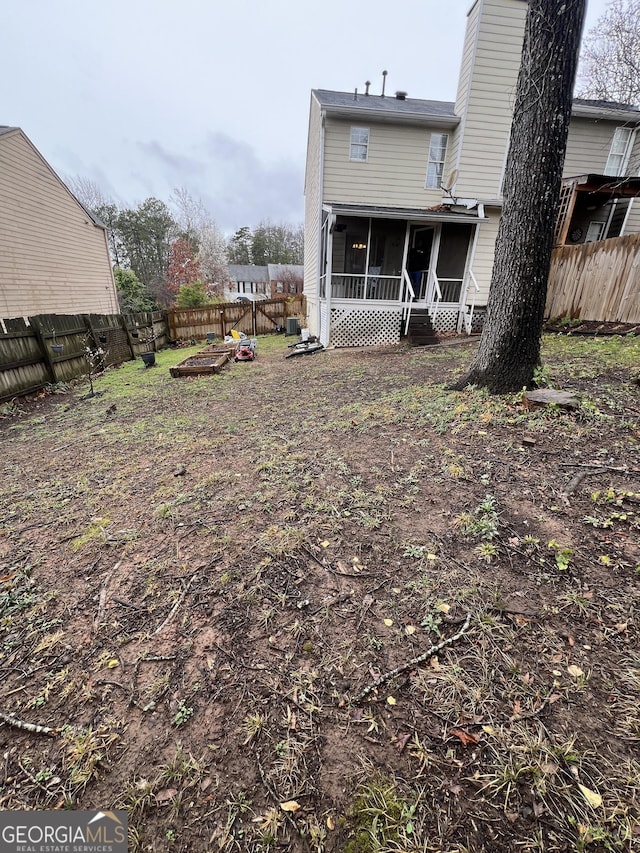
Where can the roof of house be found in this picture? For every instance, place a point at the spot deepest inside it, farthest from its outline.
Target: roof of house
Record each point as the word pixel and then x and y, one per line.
pixel 247 272
pixel 276 271
pixel 587 108
pixel 417 110
pixel 5 128
pixel 385 107
pixel 624 187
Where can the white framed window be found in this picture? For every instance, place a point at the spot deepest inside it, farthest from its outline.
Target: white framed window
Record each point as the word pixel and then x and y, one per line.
pixel 437 154
pixel 359 146
pixel 619 153
pixel 594 232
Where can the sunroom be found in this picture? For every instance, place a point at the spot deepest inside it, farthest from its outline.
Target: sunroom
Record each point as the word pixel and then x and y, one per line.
pixel 378 267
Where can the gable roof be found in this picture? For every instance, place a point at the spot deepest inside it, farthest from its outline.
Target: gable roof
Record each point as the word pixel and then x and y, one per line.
pixel 247 272
pixel 276 271
pixel 384 108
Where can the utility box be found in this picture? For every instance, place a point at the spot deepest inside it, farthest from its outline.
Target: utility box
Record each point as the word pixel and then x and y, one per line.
pixel 293 326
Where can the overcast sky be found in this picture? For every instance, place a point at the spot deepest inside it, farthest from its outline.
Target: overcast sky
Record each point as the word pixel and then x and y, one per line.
pixel 143 96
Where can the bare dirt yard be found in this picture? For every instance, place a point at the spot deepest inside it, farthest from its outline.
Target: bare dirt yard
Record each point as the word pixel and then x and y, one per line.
pixel 324 604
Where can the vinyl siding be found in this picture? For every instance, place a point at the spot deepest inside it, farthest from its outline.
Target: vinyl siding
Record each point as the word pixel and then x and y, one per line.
pixel 464 85
pixel 632 222
pixel 53 258
pixel 312 202
pixel 394 173
pixel 588 146
pixel 482 265
pixel 496 31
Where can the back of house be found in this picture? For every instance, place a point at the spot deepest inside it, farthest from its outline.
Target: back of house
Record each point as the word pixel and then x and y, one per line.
pixel 403 195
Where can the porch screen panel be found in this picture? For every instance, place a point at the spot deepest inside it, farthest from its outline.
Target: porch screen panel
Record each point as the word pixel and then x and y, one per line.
pixel 385 259
pixel 452 259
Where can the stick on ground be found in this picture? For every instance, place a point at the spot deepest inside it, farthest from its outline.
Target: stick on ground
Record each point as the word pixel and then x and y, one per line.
pixel 387 676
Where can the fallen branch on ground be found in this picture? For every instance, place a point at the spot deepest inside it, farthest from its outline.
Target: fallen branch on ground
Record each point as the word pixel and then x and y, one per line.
pixel 413 662
pixel 103 597
pixel 175 607
pixel 575 481
pixel 27 727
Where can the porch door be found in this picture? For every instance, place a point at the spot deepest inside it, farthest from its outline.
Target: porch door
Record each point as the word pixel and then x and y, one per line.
pixel 455 241
pixel 421 242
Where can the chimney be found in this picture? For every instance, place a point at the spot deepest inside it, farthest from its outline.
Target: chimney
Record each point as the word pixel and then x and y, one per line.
pixel 384 82
pixel 401 96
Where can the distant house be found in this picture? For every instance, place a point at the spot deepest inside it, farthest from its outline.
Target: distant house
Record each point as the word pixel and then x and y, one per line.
pixel 248 280
pixel 285 279
pixel 403 196
pixel 54 256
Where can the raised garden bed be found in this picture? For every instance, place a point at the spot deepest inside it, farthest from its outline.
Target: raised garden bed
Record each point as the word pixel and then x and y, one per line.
pixel 208 361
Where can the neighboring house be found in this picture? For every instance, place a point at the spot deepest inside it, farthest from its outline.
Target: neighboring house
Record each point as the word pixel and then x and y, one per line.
pixel 54 255
pixel 285 279
pixel 249 281
pixel 403 196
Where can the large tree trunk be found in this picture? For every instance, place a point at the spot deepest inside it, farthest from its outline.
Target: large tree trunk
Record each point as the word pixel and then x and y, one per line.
pixel 509 347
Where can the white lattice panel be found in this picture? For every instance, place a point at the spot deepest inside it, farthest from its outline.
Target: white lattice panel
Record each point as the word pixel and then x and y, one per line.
pixel 355 326
pixel 446 319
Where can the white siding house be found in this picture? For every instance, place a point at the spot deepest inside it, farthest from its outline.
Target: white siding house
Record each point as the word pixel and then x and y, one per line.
pixel 403 196
pixel 54 256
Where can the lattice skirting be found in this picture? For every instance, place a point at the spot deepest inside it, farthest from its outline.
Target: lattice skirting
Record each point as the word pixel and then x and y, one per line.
pixel 477 321
pixel 364 327
pixel 446 318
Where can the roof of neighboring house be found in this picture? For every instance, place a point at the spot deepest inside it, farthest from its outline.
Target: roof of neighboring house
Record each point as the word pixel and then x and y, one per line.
pixel 410 110
pixel 586 108
pixel 247 272
pixel 276 271
pixel 5 128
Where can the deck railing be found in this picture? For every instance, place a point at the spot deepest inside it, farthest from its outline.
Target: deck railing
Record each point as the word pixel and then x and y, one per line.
pixel 383 287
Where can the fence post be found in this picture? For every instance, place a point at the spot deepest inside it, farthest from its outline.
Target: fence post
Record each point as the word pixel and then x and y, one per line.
pixel 254 319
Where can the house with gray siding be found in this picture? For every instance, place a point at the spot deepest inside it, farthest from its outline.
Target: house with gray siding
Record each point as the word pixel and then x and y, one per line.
pixel 403 195
pixel 54 255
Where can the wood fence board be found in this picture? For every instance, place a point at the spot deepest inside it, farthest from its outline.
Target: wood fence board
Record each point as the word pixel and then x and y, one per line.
pixel 596 281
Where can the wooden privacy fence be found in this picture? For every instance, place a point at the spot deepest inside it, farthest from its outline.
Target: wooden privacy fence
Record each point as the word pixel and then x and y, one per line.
pixel 596 281
pixel 51 348
pixel 252 318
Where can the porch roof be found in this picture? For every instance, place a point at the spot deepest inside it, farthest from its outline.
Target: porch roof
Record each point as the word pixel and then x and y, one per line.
pixel 416 214
pixel 615 187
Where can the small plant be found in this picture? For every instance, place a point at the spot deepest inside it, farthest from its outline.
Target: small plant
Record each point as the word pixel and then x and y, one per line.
pixel 183 714
pixel 562 554
pixel 482 522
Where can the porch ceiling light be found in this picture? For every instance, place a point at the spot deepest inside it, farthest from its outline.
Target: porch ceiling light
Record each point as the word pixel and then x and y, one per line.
pixel 359 246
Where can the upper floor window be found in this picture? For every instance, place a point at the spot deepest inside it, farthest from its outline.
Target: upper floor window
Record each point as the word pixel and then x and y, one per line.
pixel 359 147
pixel 618 155
pixel 437 154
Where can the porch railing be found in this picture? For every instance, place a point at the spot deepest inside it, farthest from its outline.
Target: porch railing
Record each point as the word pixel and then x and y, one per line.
pixel 383 287
pixel 407 302
pixel 467 316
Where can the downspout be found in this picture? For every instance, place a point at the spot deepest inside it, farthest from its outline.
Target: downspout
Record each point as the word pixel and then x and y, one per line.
pixel 114 290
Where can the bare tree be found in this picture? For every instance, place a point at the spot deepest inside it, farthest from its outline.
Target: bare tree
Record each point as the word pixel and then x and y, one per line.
pixel 509 348
pixel 213 258
pixel 610 59
pixel 88 192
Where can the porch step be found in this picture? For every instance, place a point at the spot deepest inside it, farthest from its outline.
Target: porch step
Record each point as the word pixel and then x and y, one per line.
pixel 420 332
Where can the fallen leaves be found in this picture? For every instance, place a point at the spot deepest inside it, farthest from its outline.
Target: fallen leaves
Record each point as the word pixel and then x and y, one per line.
pixel 592 797
pixel 291 806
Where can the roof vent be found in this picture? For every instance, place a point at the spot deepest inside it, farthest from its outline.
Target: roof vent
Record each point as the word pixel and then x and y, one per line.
pixel 367 84
pixel 401 96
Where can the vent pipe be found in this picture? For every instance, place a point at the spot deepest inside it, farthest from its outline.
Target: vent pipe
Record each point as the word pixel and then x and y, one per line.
pixel 367 84
pixel 384 81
